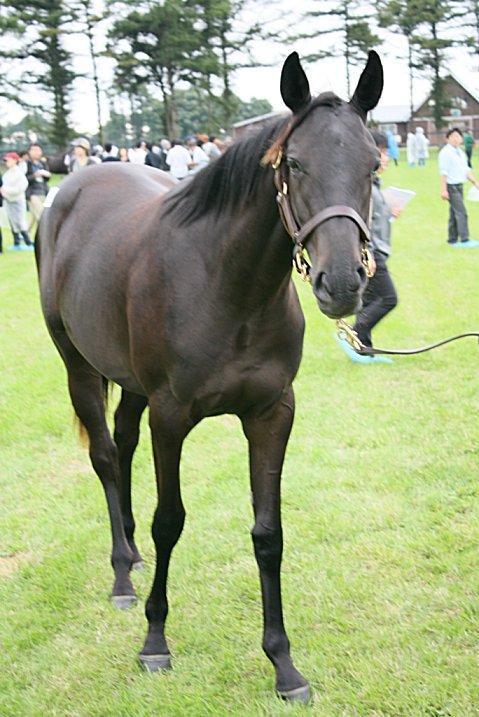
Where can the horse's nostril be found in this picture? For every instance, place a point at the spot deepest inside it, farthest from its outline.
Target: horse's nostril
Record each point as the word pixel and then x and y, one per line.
pixel 322 282
pixel 363 277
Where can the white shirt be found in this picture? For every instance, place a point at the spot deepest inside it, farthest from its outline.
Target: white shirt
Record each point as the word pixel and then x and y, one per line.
pixel 200 159
pixel 453 164
pixel 211 150
pixel 14 184
pixel 137 155
pixel 178 159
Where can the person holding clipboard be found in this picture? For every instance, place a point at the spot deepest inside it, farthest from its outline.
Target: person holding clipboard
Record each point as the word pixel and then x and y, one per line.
pixel 380 296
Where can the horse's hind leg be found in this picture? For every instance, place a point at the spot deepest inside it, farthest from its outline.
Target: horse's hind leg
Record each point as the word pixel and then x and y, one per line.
pixel 127 433
pixel 86 391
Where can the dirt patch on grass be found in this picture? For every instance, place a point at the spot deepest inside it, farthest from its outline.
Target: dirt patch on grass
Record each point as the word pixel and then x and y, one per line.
pixel 11 562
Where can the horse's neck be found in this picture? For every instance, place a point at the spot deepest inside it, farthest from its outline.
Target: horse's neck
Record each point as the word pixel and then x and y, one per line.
pixel 256 250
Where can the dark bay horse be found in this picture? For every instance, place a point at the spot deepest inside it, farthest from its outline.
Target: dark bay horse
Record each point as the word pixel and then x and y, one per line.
pixel 182 294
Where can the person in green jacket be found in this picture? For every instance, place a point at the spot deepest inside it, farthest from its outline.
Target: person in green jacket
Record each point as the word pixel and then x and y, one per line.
pixel 469 143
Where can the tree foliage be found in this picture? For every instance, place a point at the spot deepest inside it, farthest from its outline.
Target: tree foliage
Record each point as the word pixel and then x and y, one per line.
pixel 435 32
pixel 38 26
pixel 348 25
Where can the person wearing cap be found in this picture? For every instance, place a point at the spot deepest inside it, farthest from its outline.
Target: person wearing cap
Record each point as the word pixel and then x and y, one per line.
pixel 81 155
pixel 14 185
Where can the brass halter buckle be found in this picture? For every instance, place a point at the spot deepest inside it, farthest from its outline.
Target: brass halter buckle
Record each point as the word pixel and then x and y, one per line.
pixel 345 331
pixel 368 262
pixel 301 264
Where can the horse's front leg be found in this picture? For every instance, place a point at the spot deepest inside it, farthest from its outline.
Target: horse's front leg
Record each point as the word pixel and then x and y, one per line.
pixel 268 436
pixel 169 427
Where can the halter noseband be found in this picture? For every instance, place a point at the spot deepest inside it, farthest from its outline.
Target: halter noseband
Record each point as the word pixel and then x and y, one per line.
pixel 299 235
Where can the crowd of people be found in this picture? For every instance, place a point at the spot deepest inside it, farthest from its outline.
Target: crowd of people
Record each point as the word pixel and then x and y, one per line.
pixel 181 158
pixel 24 183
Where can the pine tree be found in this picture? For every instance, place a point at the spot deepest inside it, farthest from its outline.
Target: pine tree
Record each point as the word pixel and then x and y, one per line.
pixel 165 47
pixel 230 37
pixel 435 33
pixel 350 32
pixel 88 19
pixel 40 26
pixel 400 16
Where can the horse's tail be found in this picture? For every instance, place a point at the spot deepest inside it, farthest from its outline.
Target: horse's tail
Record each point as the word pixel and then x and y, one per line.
pixel 82 432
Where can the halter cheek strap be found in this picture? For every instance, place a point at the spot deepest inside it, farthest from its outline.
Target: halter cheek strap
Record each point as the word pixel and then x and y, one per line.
pixel 299 235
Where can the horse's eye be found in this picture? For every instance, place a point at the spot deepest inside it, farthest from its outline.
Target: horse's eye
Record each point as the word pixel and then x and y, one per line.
pixel 294 165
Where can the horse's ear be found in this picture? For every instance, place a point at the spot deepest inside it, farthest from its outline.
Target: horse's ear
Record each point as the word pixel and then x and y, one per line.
pixel 370 85
pixel 294 84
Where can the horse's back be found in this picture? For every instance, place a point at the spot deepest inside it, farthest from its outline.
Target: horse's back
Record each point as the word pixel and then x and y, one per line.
pixel 87 245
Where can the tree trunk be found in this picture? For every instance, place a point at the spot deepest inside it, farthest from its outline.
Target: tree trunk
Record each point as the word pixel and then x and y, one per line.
pixel 89 32
pixel 346 47
pixel 411 79
pixel 172 123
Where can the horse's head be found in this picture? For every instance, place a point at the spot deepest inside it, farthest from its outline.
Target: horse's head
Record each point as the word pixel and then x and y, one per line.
pixel 328 161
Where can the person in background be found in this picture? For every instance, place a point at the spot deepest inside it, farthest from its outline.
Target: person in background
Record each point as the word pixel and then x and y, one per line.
pixel 110 154
pixel 422 144
pixel 138 154
pixel 393 149
pixel 380 296
pixel 178 159
pixel 156 157
pixel 23 163
pixel 1 203
pixel 123 154
pixel 38 176
pixel 81 155
pixel 97 153
pixel 454 171
pixel 469 146
pixel 199 158
pixel 411 149
pixel 211 149
pixel 14 184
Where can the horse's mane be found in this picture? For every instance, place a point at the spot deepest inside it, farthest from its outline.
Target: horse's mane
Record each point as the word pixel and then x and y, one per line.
pixel 232 178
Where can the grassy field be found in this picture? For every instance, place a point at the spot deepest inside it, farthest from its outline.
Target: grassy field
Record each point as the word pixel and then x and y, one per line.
pixel 380 512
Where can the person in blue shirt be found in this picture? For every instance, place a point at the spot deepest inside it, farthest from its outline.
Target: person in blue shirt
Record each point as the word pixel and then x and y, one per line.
pixel 454 170
pixel 393 149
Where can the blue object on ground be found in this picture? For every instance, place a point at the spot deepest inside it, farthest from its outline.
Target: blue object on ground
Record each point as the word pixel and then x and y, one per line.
pixel 471 244
pixel 359 358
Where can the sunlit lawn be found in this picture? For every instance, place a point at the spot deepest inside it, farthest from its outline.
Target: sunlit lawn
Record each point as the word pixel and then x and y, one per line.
pixel 380 508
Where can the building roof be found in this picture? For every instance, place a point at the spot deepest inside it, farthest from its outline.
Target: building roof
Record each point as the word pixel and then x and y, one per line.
pixel 258 118
pixel 390 114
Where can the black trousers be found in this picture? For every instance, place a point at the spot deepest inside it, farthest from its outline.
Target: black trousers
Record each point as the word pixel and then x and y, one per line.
pixel 458 224
pixel 379 299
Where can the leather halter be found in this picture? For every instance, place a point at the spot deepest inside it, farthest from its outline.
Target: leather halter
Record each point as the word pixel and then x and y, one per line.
pixel 299 235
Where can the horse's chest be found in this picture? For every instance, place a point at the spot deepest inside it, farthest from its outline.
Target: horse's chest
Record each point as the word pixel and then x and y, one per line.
pixel 249 370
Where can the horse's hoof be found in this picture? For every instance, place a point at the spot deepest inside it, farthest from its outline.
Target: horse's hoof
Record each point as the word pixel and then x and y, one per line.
pixel 124 602
pixel 155 663
pixel 138 565
pixel 299 694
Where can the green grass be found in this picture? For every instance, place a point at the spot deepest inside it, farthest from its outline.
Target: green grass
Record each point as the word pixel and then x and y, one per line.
pixel 380 514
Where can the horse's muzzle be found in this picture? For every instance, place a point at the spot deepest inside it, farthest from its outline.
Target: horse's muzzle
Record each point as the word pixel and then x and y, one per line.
pixel 340 297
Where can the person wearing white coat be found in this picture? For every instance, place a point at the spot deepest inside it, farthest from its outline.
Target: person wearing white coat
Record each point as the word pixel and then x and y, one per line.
pixel 411 149
pixel 14 185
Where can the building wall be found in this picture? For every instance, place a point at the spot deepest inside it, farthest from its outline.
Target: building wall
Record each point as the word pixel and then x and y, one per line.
pixel 464 113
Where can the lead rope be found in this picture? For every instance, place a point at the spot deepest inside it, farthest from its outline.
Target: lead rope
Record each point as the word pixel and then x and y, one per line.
pixel 345 331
